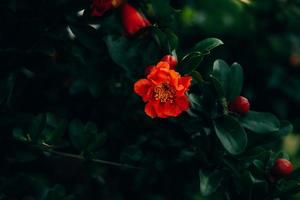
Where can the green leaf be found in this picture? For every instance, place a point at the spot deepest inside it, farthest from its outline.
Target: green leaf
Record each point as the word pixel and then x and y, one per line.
pixel 260 122
pixel 220 93
pixel 295 175
pixel 217 86
pixel 190 62
pixel 221 72
pixel 163 12
pixel 129 53
pixel 131 154
pixel 93 138
pixel 96 142
pixel 197 77
pixel 160 37
pixel 90 128
pixel 258 168
pixel 235 82
pixel 37 126
pixel 85 138
pixel 209 181
pixel 172 40
pixel 286 188
pixel 230 78
pixel 231 134
pixel 260 188
pixel 87 36
pixel 55 136
pixel 285 128
pixel 77 136
pixel 19 135
pixel 208 44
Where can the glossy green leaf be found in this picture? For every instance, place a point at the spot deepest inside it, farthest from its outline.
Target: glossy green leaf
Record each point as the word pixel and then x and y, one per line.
pixel 197 77
pixel 190 62
pixel 285 128
pixel 209 181
pixel 172 40
pixel 208 44
pixel 260 122
pixel 55 136
pixel 96 142
pixel 235 81
pixel 86 36
pixel 37 126
pixel 217 86
pixel 231 134
pixel 76 133
pixel 221 72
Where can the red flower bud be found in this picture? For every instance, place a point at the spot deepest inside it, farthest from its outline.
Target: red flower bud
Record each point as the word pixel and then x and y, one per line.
pixel 99 7
pixel 282 167
pixel 148 69
pixel 172 60
pixel 239 105
pixel 132 20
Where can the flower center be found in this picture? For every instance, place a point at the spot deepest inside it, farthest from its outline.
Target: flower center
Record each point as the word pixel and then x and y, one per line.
pixel 164 93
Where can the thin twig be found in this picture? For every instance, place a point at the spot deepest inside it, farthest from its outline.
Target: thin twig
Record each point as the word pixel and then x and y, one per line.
pixel 79 157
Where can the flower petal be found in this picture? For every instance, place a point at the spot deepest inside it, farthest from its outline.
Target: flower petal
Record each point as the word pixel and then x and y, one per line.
pixel 163 65
pixel 142 86
pixel 183 102
pixel 159 109
pixel 171 109
pixel 149 110
pixel 175 77
pixel 159 75
pixel 185 82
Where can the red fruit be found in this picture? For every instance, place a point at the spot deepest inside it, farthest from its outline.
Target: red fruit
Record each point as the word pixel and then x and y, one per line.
pixel 148 69
pixel 132 20
pixel 282 167
pixel 171 60
pixel 239 105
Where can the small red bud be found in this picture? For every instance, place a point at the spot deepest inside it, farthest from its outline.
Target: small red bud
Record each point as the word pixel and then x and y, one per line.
pixel 239 105
pixel 282 167
pixel 148 69
pixel 132 20
pixel 172 60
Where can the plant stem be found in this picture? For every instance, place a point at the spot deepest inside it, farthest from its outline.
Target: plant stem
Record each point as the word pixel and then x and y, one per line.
pixel 79 157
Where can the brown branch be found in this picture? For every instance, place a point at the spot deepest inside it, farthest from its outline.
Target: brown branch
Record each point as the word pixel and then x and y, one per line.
pixel 80 157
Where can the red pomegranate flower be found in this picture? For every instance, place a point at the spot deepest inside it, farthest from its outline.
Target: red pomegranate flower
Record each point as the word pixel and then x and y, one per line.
pixel 164 91
pixel 99 7
pixel 132 20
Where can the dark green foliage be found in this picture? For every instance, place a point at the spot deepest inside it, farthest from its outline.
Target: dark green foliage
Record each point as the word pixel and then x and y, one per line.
pixel 72 127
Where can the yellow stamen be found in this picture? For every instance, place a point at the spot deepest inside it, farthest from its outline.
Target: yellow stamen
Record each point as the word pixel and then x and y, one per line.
pixel 164 93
